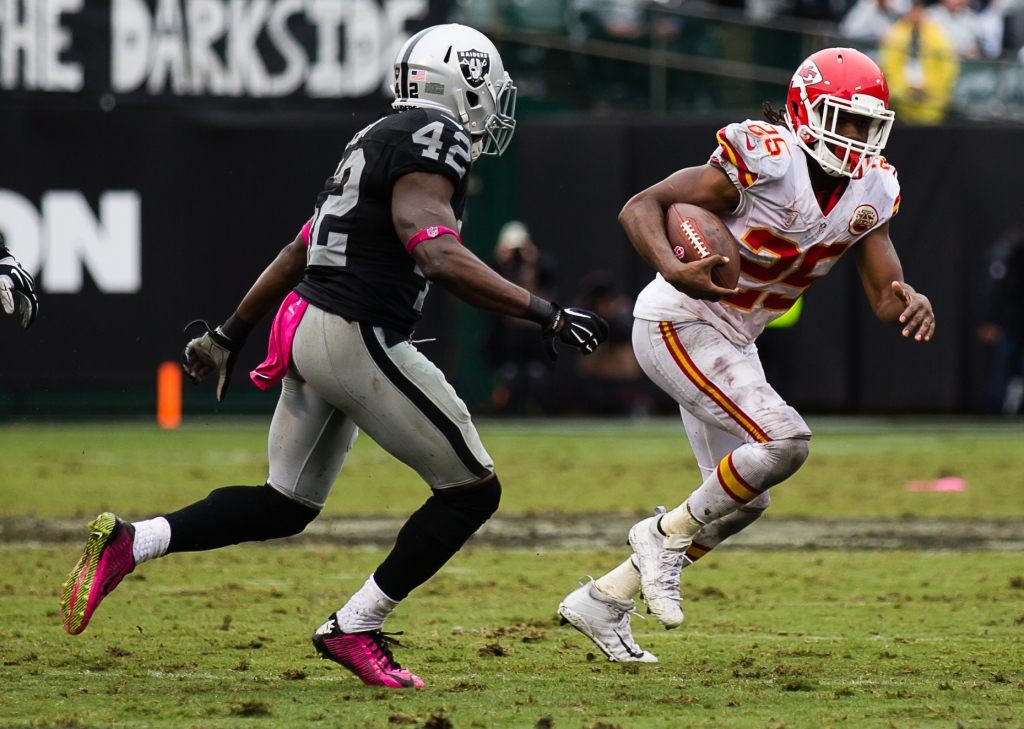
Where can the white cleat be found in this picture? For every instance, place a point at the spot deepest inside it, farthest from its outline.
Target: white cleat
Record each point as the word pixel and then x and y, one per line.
pixel 605 621
pixel 659 569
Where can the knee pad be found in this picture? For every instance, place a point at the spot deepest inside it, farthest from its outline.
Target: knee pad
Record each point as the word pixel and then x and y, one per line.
pixel 784 458
pixel 452 515
pixel 284 517
pixel 789 453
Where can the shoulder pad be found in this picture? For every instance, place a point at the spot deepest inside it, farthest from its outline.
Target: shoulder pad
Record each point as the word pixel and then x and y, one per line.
pixel 884 180
pixel 446 117
pixel 409 120
pixel 758 151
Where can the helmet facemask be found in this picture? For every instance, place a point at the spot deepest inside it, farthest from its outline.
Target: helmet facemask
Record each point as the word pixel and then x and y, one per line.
pixel 839 155
pixel 489 125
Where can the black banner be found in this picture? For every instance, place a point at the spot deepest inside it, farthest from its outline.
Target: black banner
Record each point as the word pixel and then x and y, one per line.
pixel 206 53
pixel 139 220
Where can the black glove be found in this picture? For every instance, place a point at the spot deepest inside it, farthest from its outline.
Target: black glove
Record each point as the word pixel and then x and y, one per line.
pixel 583 330
pixel 215 351
pixel 17 288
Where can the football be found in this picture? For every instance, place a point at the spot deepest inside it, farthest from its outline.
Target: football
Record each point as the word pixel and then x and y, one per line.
pixel 694 234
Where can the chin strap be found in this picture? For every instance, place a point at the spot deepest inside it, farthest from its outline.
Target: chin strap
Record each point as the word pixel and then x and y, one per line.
pixel 460 100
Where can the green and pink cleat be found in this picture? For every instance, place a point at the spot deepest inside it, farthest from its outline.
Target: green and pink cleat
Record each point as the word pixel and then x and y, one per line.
pixel 104 563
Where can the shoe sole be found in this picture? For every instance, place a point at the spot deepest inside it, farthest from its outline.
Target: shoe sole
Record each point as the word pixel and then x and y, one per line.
pixel 577 621
pixel 83 576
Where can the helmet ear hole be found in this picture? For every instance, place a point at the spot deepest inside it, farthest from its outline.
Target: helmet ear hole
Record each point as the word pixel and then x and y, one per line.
pixel 473 98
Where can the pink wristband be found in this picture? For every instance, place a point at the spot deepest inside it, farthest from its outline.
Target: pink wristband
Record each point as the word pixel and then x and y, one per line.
pixel 305 232
pixel 434 231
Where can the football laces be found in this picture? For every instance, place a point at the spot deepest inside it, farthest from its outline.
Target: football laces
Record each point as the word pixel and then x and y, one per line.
pixel 693 235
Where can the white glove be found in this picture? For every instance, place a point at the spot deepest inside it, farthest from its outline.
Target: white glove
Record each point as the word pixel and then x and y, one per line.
pixel 17 289
pixel 212 352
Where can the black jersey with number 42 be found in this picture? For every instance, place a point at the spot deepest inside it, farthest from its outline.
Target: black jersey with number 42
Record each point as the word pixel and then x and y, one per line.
pixel 357 266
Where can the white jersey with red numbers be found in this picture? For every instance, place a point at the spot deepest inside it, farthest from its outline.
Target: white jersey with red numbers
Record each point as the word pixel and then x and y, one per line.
pixel 786 238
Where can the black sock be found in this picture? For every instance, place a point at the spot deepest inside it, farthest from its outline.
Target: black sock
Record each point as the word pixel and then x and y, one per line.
pixel 236 514
pixel 433 534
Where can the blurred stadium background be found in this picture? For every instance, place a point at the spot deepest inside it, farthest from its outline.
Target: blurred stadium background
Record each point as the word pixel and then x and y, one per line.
pixel 157 153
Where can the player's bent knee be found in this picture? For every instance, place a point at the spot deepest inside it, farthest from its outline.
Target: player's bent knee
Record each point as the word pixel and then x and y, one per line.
pixel 789 453
pixel 456 513
pixel 477 502
pixel 285 517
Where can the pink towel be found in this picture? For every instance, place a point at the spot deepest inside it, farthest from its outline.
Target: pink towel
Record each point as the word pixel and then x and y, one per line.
pixel 282 332
pixel 279 349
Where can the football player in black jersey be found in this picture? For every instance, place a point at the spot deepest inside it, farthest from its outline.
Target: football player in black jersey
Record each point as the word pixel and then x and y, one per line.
pixel 17 288
pixel 384 229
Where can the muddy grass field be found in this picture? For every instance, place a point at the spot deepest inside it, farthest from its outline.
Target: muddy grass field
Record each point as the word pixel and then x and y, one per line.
pixel 797 639
pixel 777 634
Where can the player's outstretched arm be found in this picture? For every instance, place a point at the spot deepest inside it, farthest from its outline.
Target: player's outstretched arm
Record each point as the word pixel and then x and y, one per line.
pixel 643 219
pixel 892 299
pixel 217 349
pixel 422 200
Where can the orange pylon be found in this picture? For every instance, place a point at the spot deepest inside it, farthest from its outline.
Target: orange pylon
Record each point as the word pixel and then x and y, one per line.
pixel 168 395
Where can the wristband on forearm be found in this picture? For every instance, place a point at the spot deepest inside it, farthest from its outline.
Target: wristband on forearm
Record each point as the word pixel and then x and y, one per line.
pixel 543 312
pixel 236 329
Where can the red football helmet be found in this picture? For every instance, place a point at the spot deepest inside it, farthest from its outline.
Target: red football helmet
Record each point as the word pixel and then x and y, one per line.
pixel 839 80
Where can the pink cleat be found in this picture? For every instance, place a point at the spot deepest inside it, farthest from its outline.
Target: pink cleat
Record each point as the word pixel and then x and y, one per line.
pixel 104 563
pixel 367 655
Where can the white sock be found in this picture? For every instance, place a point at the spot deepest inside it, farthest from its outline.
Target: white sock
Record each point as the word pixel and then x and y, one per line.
pixel 680 522
pixel 152 538
pixel 366 610
pixel 622 583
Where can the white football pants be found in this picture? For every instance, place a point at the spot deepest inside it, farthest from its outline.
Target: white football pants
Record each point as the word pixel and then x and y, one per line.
pixel 723 396
pixel 720 387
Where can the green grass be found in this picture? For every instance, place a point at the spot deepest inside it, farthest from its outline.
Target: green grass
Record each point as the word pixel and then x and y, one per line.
pixel 856 468
pixel 793 639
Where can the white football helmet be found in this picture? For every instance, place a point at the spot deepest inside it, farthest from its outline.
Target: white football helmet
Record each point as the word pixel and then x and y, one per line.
pixel 456 69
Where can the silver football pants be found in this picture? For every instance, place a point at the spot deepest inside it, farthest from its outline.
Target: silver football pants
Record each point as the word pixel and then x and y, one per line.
pixel 343 378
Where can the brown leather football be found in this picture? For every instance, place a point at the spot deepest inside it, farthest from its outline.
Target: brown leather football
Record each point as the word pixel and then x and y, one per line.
pixel 695 234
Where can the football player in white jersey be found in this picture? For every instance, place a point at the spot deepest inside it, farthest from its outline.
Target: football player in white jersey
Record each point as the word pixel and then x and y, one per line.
pixel 797 191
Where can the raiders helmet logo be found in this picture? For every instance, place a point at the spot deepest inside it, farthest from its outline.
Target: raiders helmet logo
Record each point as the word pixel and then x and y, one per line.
pixel 864 219
pixel 475 65
pixel 809 74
